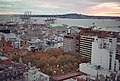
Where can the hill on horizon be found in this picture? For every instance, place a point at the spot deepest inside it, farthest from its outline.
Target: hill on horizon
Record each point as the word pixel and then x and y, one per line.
pixel 78 16
pixel 70 16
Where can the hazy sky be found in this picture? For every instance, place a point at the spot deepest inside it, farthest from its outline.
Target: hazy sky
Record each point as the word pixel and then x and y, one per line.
pixel 90 7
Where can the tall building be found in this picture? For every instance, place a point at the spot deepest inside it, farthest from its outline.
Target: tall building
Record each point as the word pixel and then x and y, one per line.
pixel 84 46
pixel 69 43
pixel 69 40
pixel 85 38
pixel 104 53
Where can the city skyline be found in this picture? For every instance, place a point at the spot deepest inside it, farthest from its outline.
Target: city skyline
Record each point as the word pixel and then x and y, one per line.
pixel 94 7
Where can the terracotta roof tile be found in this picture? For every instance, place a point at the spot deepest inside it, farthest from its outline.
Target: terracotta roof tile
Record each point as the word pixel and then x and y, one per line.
pixel 67 76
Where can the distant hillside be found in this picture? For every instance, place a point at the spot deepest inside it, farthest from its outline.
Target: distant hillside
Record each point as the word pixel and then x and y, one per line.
pixel 78 16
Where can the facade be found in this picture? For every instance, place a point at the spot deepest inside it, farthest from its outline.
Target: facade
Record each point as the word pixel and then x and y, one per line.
pixel 84 46
pixel 84 41
pixel 69 43
pixel 104 53
pixel 69 40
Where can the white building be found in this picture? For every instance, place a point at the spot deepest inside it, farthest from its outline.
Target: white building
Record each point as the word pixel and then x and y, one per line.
pixel 92 70
pixel 35 75
pixel 104 53
pixel 103 58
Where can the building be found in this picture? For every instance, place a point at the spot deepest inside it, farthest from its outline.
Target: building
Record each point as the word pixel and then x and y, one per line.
pixel 99 73
pixel 11 37
pixel 104 53
pixel 85 38
pixel 69 40
pixel 34 74
pixel 84 46
pixel 56 29
pixel 104 62
pixel 11 71
pixel 35 30
pixel 93 71
pixel 74 76
pixel 10 45
pixel 36 44
pixel 8 25
pixel 69 43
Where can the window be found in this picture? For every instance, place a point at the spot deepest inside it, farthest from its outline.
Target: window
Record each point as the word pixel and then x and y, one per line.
pixel 3 49
pixel 7 74
pixel 110 62
pixel 8 54
pixel 115 66
pixel 110 40
pixel 3 45
pixel 15 53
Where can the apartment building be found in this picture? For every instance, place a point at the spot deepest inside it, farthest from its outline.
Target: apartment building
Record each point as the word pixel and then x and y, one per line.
pixel 69 40
pixel 69 43
pixel 104 53
pixel 85 38
pixel 84 46
pixel 104 59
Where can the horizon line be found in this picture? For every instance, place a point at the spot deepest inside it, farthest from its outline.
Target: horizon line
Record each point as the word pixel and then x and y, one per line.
pixel 59 14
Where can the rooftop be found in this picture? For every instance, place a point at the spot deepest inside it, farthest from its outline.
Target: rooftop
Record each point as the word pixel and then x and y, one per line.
pixel 8 47
pixel 56 25
pixel 67 76
pixel 99 33
pixel 3 58
pixel 92 69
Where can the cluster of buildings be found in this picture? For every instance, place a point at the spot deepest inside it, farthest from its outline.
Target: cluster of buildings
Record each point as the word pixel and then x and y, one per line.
pixel 100 48
pixel 28 35
pixel 43 36
pixel 17 71
pixel 11 71
pixel 35 74
pixel 10 44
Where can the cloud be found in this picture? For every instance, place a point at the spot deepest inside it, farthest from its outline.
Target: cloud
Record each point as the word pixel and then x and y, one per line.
pixel 93 7
pixel 104 9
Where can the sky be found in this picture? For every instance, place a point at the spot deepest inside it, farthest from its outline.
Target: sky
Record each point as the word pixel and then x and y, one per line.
pixel 87 7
